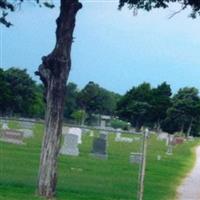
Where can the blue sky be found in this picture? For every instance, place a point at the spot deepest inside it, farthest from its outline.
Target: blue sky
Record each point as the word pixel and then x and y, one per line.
pixel 112 47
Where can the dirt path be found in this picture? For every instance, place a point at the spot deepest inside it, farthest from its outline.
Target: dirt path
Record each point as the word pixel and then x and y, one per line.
pixel 190 188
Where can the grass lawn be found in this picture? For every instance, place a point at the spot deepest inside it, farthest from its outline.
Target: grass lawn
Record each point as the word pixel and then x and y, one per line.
pixel 88 178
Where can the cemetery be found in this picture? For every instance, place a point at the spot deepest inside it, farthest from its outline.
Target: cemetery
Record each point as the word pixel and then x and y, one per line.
pixel 95 166
pixel 99 100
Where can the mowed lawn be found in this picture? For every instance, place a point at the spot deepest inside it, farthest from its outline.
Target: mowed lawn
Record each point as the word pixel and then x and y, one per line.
pixel 88 178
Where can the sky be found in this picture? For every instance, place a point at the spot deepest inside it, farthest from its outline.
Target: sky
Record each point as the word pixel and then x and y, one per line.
pixel 113 48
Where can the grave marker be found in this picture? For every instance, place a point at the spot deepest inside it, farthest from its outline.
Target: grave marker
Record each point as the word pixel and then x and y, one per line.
pixel 99 148
pixel 70 145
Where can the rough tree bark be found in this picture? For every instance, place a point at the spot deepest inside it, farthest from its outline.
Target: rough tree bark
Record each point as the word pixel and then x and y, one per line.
pixel 54 72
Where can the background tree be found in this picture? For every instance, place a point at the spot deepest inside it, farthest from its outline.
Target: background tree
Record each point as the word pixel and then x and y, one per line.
pixel 22 91
pixel 96 100
pixel 148 5
pixel 5 94
pixel 135 105
pixel 160 103
pixel 79 116
pixel 184 113
pixel 70 100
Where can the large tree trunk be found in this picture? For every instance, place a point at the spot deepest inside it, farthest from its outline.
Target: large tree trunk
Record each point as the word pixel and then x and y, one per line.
pixel 54 72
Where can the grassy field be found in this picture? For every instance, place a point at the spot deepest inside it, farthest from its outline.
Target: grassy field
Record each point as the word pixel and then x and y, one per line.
pixel 88 178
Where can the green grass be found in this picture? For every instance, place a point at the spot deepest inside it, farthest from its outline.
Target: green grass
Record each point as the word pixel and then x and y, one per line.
pixel 88 178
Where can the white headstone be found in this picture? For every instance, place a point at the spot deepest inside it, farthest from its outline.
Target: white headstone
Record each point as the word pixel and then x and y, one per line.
pixel 163 136
pixel 76 131
pixel 70 146
pixel 91 133
pixel 5 126
pixel 118 138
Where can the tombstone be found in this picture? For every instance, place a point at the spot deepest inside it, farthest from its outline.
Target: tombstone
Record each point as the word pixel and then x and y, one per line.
pixel 27 133
pixel 70 145
pixel 169 140
pixel 162 136
pixel 137 139
pixel 135 158
pixel 99 148
pixel 26 125
pixel 65 129
pixel 5 126
pixel 118 138
pixel 169 149
pixel 190 138
pixel 76 131
pixel 178 140
pixel 91 134
pixel 11 136
pixel 159 157
pixel 103 135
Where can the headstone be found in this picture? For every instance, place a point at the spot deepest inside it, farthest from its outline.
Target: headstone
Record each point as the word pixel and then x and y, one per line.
pixel 162 136
pixel 190 138
pixel 136 139
pixel 12 136
pixel 159 157
pixel 119 138
pixel 65 129
pixel 178 140
pixel 169 149
pixel 103 135
pixel 26 125
pixel 76 131
pixel 91 134
pixel 99 148
pixel 5 126
pixel 27 133
pixel 70 146
pixel 135 158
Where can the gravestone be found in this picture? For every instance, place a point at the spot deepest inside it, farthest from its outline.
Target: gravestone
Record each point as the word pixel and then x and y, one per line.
pixel 169 149
pixel 91 134
pixel 26 125
pixel 190 138
pixel 135 158
pixel 99 148
pixel 70 145
pixel 178 140
pixel 5 126
pixel 163 136
pixel 27 133
pixel 137 139
pixel 78 132
pixel 65 129
pixel 103 135
pixel 159 157
pixel 118 138
pixel 12 136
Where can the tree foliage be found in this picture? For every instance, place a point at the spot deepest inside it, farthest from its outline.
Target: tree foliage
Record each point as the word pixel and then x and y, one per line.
pixel 148 5
pixel 20 95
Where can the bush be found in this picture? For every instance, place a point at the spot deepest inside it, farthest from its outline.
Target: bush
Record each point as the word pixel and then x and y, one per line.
pixel 117 123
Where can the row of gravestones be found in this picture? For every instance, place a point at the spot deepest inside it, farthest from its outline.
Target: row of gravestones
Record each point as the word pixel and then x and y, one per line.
pixel 171 141
pixel 72 138
pixel 16 136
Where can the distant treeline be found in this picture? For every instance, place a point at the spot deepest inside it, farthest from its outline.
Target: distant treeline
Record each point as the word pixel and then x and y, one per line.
pixel 143 105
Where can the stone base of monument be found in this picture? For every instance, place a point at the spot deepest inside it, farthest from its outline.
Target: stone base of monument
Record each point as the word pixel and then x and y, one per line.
pixel 70 152
pixel 100 156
